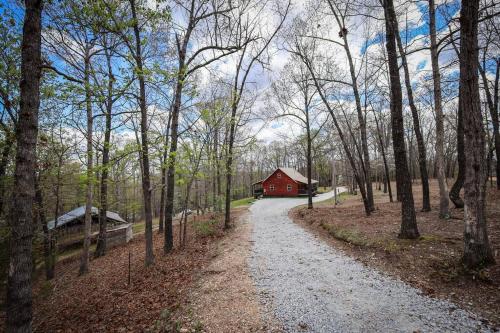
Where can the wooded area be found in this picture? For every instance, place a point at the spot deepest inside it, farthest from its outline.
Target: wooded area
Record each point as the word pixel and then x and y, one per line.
pixel 152 109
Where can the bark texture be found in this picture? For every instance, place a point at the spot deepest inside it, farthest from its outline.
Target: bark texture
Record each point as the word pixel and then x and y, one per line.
pixel 103 200
pixel 459 182
pixel 444 210
pixel 477 251
pixel 422 155
pixel 146 181
pixel 19 312
pixel 409 223
pixel 84 260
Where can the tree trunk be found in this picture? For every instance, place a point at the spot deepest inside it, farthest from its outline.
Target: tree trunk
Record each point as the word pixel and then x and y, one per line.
pixel 309 167
pixel 362 125
pixel 146 182
pixel 229 161
pixel 84 260
pixel 387 182
pixel 477 251
pixel 347 150
pixel 169 207
pixel 444 211
pixel 459 182
pixel 103 220
pixel 422 158
pixel 494 119
pixel 4 161
pixel 164 176
pixel 19 313
pixel 48 249
pixel 409 228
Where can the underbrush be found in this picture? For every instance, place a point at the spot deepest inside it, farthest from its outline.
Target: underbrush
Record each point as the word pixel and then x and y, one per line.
pixel 206 227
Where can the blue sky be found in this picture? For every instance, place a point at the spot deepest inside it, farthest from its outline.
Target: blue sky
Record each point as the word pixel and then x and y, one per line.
pixel 443 13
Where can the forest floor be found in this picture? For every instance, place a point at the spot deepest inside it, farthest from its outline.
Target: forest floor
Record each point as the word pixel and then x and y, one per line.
pixel 431 263
pixel 156 300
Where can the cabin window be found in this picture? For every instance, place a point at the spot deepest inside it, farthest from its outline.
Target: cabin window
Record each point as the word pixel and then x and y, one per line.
pixel 271 187
pixel 278 175
pixel 289 188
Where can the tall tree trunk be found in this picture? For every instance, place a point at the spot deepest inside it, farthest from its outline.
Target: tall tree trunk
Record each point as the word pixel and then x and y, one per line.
pixel 4 161
pixel 229 160
pixel 84 260
pixel 345 145
pixel 459 182
pixel 48 249
pixel 309 165
pixel 361 119
pixel 409 228
pixel 146 182
pixel 19 313
pixel 494 119
pixel 477 251
pixel 444 211
pixel 103 220
pixel 422 158
pixel 387 182
pixel 169 207
pixel 164 176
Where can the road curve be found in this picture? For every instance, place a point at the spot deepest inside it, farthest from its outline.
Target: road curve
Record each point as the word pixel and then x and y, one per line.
pixel 312 287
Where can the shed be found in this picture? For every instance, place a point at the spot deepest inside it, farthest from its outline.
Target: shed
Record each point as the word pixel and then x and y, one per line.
pixel 70 224
pixel 77 215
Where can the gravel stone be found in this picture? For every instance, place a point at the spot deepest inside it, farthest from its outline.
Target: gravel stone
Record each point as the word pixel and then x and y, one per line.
pixel 312 287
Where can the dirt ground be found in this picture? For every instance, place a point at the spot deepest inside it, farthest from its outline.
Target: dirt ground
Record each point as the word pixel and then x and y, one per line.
pixel 103 301
pixel 225 299
pixel 431 263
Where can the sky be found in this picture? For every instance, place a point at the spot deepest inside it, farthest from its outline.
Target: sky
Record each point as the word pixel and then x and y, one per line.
pixel 414 13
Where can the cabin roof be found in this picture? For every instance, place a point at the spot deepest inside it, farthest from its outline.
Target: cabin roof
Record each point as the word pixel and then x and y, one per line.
pixel 78 213
pixel 293 174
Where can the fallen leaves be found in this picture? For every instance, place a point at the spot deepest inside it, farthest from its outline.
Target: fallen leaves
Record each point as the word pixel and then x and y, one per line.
pixel 102 300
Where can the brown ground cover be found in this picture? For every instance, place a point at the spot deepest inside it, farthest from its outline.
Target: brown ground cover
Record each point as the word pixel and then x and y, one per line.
pixel 431 263
pixel 103 301
pixel 225 299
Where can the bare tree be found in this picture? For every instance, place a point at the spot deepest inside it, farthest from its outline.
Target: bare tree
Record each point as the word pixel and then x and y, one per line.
pixel 250 54
pixel 211 16
pixel 341 17
pixel 422 154
pixel 444 211
pixel 408 218
pixel 296 97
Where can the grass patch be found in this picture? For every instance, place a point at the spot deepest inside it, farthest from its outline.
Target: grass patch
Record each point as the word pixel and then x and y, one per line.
pixel 351 236
pixel 324 189
pixel 242 202
pixel 140 227
pixel 206 228
pixel 431 238
pixel 331 202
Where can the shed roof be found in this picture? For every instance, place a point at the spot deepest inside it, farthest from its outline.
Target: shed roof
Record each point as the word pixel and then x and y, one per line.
pixel 79 213
pixel 295 175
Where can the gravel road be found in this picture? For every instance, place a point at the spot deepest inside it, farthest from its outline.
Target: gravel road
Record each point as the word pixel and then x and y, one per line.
pixel 312 287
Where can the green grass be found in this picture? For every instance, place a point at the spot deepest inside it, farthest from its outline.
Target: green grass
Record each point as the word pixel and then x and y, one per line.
pixel 348 235
pixel 140 227
pixel 242 202
pixel 330 202
pixel 324 189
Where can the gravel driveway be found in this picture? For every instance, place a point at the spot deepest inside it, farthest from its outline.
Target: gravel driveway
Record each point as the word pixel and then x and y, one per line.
pixel 312 287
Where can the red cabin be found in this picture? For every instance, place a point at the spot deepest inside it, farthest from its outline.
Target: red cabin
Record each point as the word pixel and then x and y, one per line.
pixel 284 182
